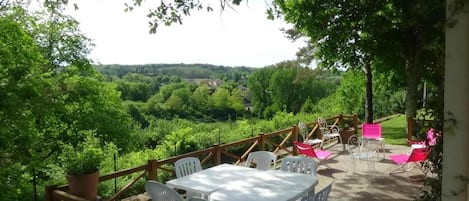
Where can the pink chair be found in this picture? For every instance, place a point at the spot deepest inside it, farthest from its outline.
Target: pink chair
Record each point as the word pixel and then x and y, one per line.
pixel 403 160
pixel 307 150
pixel 371 134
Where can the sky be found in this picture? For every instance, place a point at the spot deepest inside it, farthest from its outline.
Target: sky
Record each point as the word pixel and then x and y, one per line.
pixel 240 37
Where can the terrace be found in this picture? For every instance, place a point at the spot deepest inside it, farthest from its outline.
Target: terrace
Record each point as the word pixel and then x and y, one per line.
pixel 337 169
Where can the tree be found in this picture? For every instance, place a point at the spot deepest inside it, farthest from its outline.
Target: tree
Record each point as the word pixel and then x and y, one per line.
pixel 287 86
pixel 258 84
pixel 28 126
pixel 364 31
pixel 50 93
pixel 351 34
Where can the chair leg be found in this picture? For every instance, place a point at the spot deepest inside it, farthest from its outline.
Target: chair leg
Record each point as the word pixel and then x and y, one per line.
pixel 399 169
pixel 402 168
pixel 371 168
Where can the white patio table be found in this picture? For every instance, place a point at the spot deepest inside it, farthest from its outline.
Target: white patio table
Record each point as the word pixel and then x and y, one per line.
pixel 231 182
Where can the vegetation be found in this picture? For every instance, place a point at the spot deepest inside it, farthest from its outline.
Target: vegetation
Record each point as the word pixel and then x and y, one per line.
pixel 53 98
pixel 356 34
pixel 86 157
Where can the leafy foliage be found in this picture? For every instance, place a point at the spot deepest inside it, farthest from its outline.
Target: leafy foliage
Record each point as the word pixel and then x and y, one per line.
pixel 87 156
pixel 286 87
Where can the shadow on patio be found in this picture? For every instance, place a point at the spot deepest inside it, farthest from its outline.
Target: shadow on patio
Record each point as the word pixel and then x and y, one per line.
pixel 361 186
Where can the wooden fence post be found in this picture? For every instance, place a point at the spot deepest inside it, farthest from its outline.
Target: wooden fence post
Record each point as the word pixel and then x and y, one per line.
pixel 152 170
pixel 341 120
pixel 49 191
pixel 355 123
pixel 217 150
pixel 261 142
pixel 410 128
pixel 296 131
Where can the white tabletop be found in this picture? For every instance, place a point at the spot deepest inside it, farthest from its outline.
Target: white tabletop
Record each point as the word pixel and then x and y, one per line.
pixel 231 182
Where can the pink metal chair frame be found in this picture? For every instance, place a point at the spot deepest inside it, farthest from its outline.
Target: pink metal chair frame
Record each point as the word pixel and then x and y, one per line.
pixel 403 160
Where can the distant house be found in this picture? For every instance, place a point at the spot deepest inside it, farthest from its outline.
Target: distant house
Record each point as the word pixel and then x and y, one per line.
pixel 214 82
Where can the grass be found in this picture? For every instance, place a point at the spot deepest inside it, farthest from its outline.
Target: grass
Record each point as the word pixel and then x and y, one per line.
pixel 394 130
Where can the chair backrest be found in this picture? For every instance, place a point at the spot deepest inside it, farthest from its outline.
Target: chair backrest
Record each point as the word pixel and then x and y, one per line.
pixel 262 159
pixel 187 166
pixel 353 144
pixel 323 194
pixel 322 124
pixel 418 154
pixel 372 131
pixel 299 164
pixel 303 130
pixel 305 149
pixel 160 192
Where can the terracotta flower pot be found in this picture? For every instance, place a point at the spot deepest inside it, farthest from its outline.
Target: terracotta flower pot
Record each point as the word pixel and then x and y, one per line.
pixel 345 135
pixel 84 186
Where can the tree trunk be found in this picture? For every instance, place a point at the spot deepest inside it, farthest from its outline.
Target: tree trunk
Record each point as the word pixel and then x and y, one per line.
pixel 413 78
pixel 369 94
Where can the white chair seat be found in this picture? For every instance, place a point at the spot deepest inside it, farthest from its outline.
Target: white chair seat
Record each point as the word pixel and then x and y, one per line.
pixel 313 141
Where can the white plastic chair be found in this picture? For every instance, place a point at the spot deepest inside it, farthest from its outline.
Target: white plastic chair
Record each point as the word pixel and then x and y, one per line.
pixel 262 159
pixel 304 133
pixel 328 132
pixel 322 195
pixel 160 192
pixel 358 152
pixel 187 166
pixel 299 164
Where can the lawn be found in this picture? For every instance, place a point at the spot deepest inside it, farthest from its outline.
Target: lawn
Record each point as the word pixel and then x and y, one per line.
pixel 394 130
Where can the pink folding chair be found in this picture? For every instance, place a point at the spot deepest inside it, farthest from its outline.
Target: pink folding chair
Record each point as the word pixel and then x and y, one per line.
pixel 371 134
pixel 307 150
pixel 409 160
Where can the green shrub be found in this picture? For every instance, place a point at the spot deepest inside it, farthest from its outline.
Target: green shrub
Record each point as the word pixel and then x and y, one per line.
pixel 86 157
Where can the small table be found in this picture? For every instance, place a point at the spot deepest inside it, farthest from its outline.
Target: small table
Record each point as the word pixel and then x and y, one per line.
pixel 377 144
pixel 231 182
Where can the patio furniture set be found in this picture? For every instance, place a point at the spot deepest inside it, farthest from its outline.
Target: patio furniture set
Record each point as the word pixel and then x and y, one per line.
pixel 259 179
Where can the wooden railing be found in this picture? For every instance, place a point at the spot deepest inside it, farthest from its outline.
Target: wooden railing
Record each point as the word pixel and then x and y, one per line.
pixel 413 127
pixel 280 141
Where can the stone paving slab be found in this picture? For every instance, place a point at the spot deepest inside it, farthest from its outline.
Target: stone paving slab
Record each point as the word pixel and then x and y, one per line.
pixel 361 185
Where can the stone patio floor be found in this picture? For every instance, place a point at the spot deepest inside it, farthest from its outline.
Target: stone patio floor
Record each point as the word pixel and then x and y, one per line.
pixel 361 185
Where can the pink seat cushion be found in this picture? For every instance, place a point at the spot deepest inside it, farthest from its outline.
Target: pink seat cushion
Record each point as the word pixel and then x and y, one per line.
pixel 322 154
pixel 307 150
pixel 399 158
pixel 417 155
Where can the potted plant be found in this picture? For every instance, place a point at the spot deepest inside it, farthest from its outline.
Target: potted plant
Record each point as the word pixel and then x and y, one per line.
pixel 346 131
pixel 81 164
